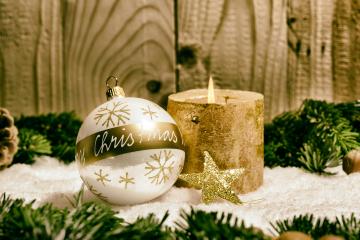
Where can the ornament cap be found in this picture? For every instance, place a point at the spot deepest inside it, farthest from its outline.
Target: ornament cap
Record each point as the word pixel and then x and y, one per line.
pixel 113 91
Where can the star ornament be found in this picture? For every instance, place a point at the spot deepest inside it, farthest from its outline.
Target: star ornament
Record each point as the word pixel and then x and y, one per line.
pixel 214 182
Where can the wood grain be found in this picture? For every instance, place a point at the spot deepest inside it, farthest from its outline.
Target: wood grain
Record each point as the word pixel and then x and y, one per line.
pixel 346 50
pixel 58 54
pixel 31 56
pixel 310 42
pixel 289 50
pixel 130 39
pixel 247 48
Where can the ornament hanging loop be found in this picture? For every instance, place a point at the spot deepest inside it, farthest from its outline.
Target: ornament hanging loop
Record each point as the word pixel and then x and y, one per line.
pixel 115 90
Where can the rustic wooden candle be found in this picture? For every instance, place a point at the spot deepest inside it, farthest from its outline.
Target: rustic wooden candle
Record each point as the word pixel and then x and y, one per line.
pixel 231 130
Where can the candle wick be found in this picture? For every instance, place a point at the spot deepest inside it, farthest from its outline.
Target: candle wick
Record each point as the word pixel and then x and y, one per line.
pixel 227 98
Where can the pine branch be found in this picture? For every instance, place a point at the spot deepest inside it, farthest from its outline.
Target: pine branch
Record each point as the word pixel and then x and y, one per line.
pixel 145 228
pixel 347 227
pixel 20 220
pixel 314 137
pixel 202 225
pixel 31 144
pixel 315 160
pixel 351 111
pixel 60 129
pixel 329 125
pixel 283 139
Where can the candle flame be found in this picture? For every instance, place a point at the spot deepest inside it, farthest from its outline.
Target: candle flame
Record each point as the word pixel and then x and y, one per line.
pixel 211 93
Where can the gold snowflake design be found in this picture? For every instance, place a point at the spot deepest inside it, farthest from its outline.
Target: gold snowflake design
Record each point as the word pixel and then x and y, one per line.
pixel 148 111
pixel 80 157
pixel 119 112
pixel 101 177
pixel 95 192
pixel 126 180
pixel 160 168
pixel 181 166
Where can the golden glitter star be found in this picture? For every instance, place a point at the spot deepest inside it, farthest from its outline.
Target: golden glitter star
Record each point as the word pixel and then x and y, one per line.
pixel 102 177
pixel 214 182
pixel 149 112
pixel 126 179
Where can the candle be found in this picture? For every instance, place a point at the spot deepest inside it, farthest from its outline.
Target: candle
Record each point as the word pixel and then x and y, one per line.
pixel 229 125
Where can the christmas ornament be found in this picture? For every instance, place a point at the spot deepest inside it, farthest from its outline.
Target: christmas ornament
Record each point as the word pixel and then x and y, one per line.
pixel 294 235
pixel 351 162
pixel 129 150
pixel 331 237
pixel 8 138
pixel 214 182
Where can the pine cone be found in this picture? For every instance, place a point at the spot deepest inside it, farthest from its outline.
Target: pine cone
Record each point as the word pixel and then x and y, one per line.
pixel 8 138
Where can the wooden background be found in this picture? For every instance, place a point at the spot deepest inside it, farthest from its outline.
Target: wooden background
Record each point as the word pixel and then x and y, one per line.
pixel 55 55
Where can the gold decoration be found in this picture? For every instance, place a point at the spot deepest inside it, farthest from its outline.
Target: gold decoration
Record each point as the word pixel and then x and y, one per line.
pixel 129 138
pixel 119 111
pixel 127 180
pixel 94 191
pixel 214 182
pixel 147 111
pixel 113 90
pixel 102 177
pixel 160 168
pixel 181 165
pixel 80 157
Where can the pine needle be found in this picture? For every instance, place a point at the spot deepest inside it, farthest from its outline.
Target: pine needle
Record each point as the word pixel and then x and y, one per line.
pixel 315 137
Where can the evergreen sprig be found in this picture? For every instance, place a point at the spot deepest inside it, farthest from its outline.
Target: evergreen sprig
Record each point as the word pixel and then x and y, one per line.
pixel 93 220
pixel 31 144
pixel 315 137
pixel 60 129
pixel 202 225
pixel 20 220
pixel 347 227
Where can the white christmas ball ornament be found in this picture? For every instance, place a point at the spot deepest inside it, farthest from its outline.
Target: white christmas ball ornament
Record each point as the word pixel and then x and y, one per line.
pixel 129 150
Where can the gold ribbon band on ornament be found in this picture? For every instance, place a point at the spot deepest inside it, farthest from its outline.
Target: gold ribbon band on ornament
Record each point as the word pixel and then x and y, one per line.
pixel 126 139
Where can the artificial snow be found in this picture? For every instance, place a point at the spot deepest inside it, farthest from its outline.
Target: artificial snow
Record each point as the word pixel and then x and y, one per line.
pixel 286 192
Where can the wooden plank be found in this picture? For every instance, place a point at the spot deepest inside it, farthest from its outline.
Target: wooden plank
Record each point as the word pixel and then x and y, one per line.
pixel 275 80
pixel 57 55
pixel 310 63
pixel 49 58
pixel 242 43
pixel 30 53
pixel 346 50
pixel 130 39
pixel 355 39
pixel 232 54
pixel 321 61
pixel 289 50
pixel 199 24
pixel 262 20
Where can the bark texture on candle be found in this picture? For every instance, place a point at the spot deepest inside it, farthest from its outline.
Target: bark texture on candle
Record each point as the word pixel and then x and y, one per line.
pixel 232 133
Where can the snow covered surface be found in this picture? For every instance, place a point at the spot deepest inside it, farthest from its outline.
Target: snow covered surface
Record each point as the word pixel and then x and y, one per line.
pixel 286 192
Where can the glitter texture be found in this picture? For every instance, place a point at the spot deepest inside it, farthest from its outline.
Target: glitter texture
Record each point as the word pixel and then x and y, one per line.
pixel 214 182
